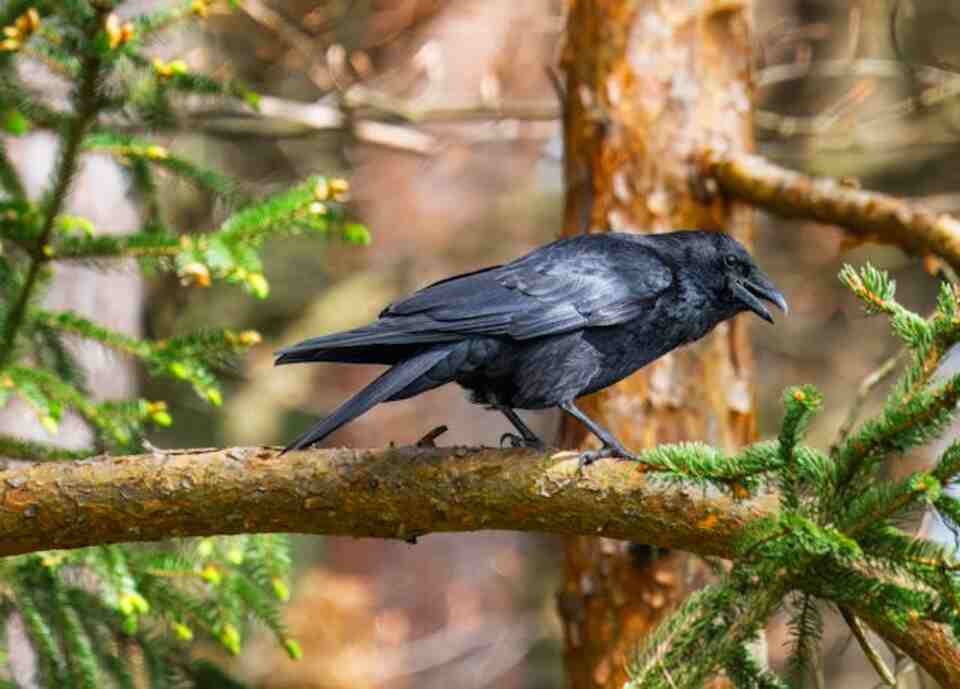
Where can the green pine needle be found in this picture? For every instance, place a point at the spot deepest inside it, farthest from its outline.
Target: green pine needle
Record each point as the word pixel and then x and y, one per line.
pixel 806 631
pixel 89 614
pixel 746 673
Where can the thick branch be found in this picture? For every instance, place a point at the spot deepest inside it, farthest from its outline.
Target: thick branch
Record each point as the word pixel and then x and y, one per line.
pixel 869 215
pixel 931 646
pixel 391 493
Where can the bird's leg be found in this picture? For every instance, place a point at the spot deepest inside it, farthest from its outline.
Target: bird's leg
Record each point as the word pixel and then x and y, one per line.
pixel 527 438
pixel 611 446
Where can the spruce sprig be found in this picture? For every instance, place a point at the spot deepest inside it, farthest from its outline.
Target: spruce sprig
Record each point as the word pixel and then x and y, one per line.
pixel 125 616
pixel 837 540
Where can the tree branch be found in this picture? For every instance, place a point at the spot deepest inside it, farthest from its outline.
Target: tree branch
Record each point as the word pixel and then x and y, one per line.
pixel 931 646
pixel 868 215
pixel 392 493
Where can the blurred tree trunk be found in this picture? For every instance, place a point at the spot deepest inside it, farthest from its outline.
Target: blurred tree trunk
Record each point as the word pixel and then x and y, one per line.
pixel 648 86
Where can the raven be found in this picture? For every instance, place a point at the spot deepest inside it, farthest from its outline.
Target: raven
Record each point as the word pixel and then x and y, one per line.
pixel 566 320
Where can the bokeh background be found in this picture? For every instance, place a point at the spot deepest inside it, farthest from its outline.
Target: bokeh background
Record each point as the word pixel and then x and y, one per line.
pixel 402 98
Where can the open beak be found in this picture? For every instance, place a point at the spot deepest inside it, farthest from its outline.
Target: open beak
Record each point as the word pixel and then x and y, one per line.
pixel 758 286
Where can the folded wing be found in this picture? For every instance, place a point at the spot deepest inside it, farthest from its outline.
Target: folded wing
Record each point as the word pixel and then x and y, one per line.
pixel 588 281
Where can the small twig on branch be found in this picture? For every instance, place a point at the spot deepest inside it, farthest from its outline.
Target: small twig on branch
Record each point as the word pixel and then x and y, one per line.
pixel 867 385
pixel 280 118
pixel 867 215
pixel 429 440
pixel 290 33
pixel 934 86
pixel 823 125
pixel 359 97
pixel 871 653
pixel 865 67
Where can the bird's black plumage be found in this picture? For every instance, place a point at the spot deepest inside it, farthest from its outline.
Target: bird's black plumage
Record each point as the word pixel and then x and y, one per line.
pixel 567 319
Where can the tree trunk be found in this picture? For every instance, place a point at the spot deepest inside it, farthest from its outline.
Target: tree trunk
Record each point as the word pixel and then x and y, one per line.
pixel 649 86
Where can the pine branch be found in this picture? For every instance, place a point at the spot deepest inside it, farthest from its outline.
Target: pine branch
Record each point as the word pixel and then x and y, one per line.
pixel 746 673
pixel 128 149
pixel 909 423
pixel 881 501
pixel 707 631
pixel 949 464
pixel 104 246
pixel 41 635
pixel 801 404
pixel 9 178
pixel 16 448
pixel 83 609
pixel 806 628
pixel 867 385
pixel 876 660
pixel 87 105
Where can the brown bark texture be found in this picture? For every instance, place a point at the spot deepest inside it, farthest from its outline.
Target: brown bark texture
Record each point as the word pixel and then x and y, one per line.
pixel 649 85
pixel 391 493
pixel 866 215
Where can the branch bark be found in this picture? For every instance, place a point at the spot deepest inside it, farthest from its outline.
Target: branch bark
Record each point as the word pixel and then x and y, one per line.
pixel 932 646
pixel 391 493
pixel 865 214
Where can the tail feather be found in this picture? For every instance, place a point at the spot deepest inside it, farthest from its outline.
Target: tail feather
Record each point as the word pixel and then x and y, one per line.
pixel 380 342
pixel 390 383
pixel 382 333
pixel 371 354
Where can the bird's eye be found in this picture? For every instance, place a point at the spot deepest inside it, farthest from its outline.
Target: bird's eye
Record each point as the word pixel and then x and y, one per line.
pixel 731 261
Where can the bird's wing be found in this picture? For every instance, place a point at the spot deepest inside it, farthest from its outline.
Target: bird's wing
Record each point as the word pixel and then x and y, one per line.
pixel 587 281
pixel 571 284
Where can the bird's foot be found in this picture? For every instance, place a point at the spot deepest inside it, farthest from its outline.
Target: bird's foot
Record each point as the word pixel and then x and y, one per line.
pixel 587 458
pixel 518 441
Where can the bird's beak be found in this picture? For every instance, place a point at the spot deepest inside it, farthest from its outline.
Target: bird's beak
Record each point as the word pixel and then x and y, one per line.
pixel 756 287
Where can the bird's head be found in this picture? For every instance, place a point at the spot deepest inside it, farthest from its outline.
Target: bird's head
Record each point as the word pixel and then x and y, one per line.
pixel 728 271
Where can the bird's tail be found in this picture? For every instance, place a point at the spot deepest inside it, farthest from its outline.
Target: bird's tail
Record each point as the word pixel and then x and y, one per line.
pixel 390 383
pixel 380 342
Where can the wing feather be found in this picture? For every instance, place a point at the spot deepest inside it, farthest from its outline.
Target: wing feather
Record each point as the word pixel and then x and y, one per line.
pixel 594 280
pixel 587 281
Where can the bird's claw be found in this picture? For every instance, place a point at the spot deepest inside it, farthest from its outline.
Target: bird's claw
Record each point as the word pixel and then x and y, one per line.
pixel 512 438
pixel 588 457
pixel 519 442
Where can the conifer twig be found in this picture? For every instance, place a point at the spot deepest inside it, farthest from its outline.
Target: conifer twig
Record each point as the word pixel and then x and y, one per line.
pixel 867 386
pixel 871 653
pixel 87 105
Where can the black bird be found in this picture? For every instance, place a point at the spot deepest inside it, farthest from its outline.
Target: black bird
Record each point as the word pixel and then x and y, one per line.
pixel 567 319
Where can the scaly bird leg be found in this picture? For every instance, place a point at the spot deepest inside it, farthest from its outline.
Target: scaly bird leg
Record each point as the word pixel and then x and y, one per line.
pixel 527 438
pixel 611 446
